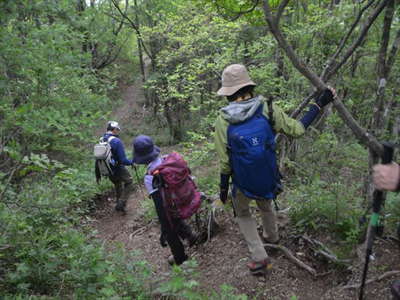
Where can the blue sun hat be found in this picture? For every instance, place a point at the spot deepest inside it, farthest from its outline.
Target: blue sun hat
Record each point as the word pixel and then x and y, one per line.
pixel 144 150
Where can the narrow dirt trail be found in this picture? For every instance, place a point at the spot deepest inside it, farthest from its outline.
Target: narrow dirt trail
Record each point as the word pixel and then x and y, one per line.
pixel 223 259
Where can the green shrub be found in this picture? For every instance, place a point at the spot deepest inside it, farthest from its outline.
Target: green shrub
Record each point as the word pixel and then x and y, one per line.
pixel 327 197
pixel 44 253
pixel 330 208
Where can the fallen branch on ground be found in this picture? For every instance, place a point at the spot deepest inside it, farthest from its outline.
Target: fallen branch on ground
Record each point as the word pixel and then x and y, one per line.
pixel 137 232
pixel 141 230
pixel 379 278
pixel 292 258
pixel 324 273
pixel 319 248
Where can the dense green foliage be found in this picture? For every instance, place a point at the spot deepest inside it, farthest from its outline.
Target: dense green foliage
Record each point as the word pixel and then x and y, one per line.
pixel 59 63
pixel 191 53
pixel 51 98
pixel 54 92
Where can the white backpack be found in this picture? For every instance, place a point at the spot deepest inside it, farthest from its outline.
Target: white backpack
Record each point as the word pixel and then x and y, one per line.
pixel 102 154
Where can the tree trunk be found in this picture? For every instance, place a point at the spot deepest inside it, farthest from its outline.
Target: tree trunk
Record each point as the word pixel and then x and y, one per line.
pixel 377 121
pixel 139 42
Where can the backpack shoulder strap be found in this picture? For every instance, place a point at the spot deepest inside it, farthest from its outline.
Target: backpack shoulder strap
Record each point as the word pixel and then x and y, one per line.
pixel 107 140
pixel 259 110
pixel 271 112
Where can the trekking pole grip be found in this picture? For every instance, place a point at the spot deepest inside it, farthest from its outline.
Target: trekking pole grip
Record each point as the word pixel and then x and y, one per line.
pixel 388 149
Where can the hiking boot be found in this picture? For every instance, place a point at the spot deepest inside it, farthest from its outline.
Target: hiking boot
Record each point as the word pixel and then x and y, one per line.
pixel 260 268
pixel 268 241
pixel 120 206
pixel 395 289
pixel 171 260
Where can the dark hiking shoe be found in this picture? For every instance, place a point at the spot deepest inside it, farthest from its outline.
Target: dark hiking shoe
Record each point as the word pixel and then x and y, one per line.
pixel 260 268
pixel 120 207
pixel 395 289
pixel 171 260
pixel 268 241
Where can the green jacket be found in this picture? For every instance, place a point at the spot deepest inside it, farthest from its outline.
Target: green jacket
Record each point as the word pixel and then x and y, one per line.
pixel 240 111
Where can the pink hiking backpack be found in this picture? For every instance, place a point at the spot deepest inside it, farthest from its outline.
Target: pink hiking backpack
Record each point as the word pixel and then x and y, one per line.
pixel 178 189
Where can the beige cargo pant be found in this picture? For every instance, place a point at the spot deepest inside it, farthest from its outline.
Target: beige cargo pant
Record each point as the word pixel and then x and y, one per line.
pixel 248 225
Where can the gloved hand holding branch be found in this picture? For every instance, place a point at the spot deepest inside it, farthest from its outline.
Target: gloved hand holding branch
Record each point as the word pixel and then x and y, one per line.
pixel 326 97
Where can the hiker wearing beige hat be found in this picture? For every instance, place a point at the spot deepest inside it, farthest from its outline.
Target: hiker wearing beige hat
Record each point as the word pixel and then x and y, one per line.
pixel 245 142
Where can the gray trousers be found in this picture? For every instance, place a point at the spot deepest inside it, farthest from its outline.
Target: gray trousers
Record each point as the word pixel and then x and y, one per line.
pixel 248 225
pixel 123 183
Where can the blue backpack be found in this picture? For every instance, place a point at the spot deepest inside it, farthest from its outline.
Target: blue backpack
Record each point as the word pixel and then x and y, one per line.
pixel 251 147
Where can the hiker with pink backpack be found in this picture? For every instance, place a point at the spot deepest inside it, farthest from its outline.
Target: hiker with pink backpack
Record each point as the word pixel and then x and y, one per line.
pixel 174 193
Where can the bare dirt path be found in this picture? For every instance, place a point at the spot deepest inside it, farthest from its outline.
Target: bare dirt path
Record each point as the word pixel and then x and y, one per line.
pixel 223 259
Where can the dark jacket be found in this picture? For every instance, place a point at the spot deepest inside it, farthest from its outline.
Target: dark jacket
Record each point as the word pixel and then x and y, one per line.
pixel 119 158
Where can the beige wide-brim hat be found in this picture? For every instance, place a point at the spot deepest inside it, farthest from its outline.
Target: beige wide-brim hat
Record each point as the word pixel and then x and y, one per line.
pixel 234 77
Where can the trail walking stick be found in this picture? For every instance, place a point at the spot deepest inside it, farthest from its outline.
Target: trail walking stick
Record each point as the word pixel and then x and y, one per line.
pixel 138 181
pixel 374 220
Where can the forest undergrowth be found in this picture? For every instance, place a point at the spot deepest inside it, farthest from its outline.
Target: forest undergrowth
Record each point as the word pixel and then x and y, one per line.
pixel 66 67
pixel 318 213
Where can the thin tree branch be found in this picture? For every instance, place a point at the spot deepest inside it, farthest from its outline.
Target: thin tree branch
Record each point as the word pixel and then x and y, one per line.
pixel 343 41
pixel 303 105
pixel 362 135
pixel 325 76
pixel 117 19
pixel 360 38
pixel 299 64
pixel 134 26
pixel 238 13
pixel 281 8
pixel 387 25
pixel 331 69
pixel 377 120
pixel 121 23
pixel 109 58
pixel 393 52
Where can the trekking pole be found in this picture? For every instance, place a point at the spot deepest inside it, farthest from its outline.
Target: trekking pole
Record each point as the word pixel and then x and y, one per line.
pixel 374 220
pixel 275 203
pixel 138 181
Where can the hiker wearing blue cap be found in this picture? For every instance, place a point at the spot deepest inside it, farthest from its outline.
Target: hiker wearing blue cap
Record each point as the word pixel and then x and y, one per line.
pixel 118 174
pixel 173 227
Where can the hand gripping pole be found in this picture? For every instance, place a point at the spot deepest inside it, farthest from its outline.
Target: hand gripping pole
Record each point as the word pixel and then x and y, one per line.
pixel 374 220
